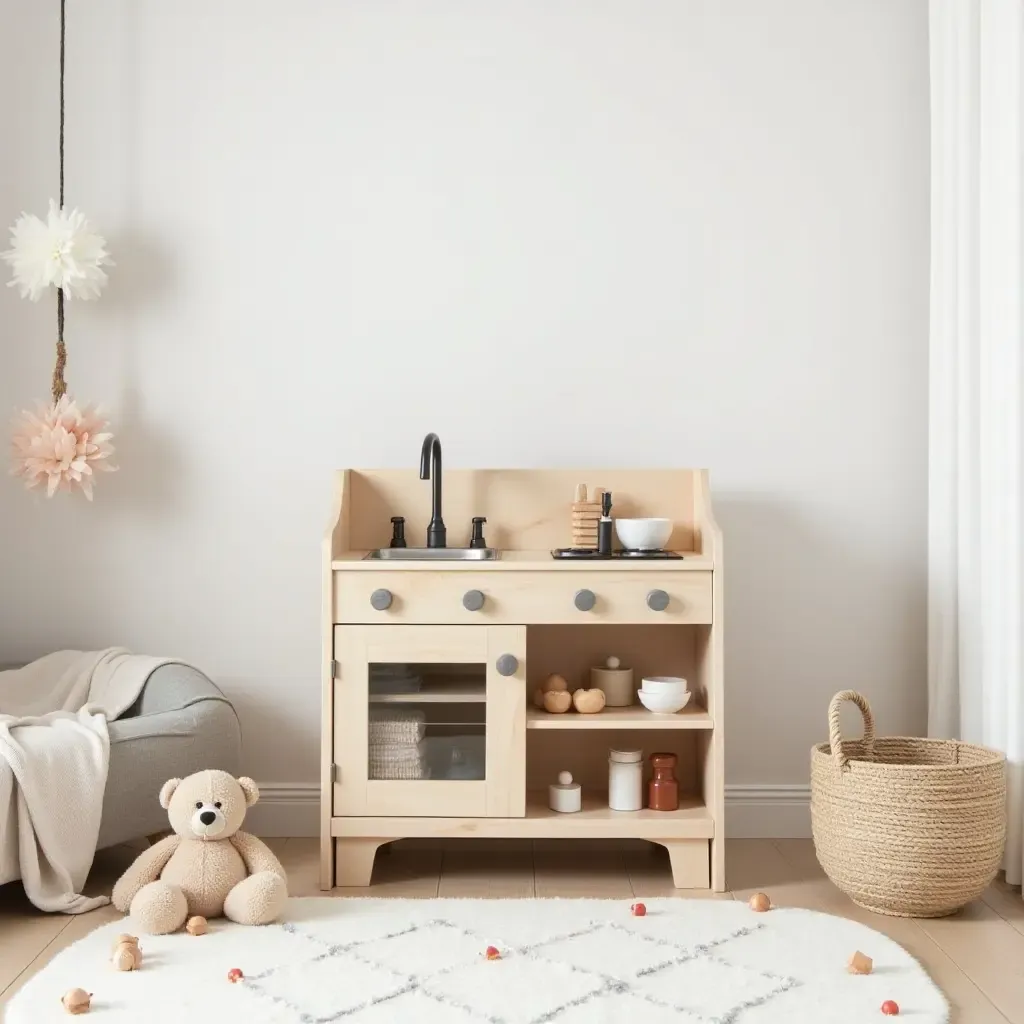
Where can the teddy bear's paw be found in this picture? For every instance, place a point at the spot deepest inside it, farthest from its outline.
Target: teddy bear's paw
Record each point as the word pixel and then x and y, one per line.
pixel 159 908
pixel 259 899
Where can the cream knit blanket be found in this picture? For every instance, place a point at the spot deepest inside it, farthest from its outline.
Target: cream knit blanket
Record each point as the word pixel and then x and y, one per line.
pixel 54 754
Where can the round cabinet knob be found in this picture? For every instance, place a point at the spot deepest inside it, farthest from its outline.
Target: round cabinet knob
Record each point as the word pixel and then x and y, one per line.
pixel 507 665
pixel 473 600
pixel 381 600
pixel 657 600
pixel 584 600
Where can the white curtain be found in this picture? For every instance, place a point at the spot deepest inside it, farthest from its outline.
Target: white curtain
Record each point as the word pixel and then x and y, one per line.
pixel 976 414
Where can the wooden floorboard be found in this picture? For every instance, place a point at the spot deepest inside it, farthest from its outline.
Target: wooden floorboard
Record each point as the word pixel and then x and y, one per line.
pixel 974 956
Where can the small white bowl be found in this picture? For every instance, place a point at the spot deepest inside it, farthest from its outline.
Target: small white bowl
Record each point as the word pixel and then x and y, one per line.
pixel 643 534
pixel 663 684
pixel 664 703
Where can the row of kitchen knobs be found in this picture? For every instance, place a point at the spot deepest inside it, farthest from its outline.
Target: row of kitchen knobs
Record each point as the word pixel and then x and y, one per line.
pixel 473 600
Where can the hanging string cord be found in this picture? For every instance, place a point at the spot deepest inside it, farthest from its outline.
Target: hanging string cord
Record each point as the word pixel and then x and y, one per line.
pixel 63 36
pixel 59 385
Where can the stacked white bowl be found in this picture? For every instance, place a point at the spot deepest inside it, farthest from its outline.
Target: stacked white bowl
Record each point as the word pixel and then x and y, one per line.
pixel 663 695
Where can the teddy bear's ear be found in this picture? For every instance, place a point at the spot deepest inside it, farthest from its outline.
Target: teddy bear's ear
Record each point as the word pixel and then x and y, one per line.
pixel 167 791
pixel 250 789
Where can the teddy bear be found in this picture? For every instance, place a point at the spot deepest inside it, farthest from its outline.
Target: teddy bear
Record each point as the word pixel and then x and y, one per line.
pixel 207 867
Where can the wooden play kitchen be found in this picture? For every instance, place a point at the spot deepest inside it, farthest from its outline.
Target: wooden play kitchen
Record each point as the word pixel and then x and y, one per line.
pixel 437 659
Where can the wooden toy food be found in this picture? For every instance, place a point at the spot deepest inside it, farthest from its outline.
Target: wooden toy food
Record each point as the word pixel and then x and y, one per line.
pixel 557 701
pixel 553 684
pixel 76 1000
pixel 588 702
pixel 197 926
pixel 859 963
pixel 127 955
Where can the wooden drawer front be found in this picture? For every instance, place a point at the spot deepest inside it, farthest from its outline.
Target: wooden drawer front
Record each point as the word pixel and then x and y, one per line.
pixel 521 597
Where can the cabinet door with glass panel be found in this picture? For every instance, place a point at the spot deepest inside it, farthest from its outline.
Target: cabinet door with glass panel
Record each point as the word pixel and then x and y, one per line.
pixel 429 721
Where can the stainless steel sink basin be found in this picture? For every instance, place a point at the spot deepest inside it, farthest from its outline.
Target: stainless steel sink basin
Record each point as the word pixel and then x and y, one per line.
pixel 436 554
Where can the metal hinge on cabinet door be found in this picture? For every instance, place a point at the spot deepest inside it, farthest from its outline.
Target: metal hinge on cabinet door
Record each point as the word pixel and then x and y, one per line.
pixel 336 772
pixel 335 670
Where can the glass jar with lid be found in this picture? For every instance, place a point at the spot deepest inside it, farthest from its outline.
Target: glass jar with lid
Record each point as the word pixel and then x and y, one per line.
pixel 625 780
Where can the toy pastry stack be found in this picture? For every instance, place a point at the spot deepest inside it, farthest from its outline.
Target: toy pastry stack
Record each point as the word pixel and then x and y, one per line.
pixel 585 514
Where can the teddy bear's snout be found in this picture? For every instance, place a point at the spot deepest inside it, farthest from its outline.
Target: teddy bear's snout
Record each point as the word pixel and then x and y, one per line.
pixel 208 822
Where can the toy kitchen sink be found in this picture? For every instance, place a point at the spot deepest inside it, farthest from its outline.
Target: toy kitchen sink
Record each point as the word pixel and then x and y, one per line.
pixel 431 655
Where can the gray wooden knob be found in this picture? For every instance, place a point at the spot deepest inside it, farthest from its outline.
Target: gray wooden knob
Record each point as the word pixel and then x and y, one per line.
pixel 584 600
pixel 473 600
pixel 507 665
pixel 381 600
pixel 657 600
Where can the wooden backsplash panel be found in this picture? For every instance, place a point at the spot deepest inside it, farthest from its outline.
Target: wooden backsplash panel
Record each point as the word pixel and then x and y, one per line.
pixel 526 509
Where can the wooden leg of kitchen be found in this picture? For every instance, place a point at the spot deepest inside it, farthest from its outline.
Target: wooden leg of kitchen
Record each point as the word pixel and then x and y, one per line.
pixel 718 865
pixel 353 860
pixel 689 860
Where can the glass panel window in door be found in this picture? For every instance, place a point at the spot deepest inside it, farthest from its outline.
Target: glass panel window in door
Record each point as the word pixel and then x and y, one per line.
pixel 427 721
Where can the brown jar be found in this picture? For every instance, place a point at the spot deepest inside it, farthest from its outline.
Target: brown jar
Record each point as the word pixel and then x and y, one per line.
pixel 663 789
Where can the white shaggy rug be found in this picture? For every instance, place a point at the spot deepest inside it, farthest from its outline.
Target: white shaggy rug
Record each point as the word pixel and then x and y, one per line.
pixel 562 961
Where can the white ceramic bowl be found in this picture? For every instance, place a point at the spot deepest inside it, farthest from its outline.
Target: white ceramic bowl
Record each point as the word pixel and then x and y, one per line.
pixel 663 684
pixel 664 703
pixel 643 534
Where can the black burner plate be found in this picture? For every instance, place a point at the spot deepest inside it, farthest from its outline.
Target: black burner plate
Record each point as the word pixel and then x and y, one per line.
pixel 590 553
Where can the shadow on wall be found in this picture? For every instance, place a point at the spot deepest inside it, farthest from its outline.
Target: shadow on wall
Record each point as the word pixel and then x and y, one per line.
pixel 276 722
pixel 812 607
pixel 145 274
pixel 149 460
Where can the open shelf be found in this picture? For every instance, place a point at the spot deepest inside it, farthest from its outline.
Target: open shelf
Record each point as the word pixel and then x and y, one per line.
pixel 637 717
pixel 691 821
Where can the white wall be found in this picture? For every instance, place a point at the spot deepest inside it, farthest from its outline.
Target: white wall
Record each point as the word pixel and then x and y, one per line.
pixel 664 232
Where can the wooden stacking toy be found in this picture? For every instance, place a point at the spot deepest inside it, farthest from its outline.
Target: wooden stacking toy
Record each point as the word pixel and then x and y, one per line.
pixel 585 515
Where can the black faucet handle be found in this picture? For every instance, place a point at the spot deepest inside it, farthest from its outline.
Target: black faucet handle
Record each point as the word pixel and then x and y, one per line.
pixel 398 531
pixel 477 538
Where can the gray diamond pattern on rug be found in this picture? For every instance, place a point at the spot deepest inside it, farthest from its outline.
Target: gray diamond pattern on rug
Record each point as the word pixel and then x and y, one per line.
pixel 442 962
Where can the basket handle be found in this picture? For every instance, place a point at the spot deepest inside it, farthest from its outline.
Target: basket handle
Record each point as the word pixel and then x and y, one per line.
pixel 834 735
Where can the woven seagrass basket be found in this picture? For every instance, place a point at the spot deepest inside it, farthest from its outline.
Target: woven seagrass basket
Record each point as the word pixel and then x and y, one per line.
pixel 906 827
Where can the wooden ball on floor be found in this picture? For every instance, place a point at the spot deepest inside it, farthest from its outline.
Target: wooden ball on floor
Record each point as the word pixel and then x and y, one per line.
pixel 759 902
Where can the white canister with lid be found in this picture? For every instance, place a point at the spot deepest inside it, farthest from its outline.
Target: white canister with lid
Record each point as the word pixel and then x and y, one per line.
pixel 625 780
pixel 565 797
pixel 615 681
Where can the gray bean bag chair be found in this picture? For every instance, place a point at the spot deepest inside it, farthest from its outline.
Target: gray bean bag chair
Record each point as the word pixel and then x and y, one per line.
pixel 180 724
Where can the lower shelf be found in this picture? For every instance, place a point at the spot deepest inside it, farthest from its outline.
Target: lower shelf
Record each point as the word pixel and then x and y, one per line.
pixel 596 821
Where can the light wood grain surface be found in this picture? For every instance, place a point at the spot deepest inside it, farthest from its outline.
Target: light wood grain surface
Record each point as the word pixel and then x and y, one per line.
pixel 975 956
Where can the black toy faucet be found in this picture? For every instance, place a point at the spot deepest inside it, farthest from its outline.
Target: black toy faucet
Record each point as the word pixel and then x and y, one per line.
pixel 430 469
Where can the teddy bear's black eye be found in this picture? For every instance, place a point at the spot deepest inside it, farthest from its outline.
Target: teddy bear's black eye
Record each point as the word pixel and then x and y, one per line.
pixel 217 805
pixel 199 803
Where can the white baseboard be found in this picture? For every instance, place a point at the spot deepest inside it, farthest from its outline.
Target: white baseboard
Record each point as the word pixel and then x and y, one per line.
pixel 285 809
pixel 751 812
pixel 768 812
